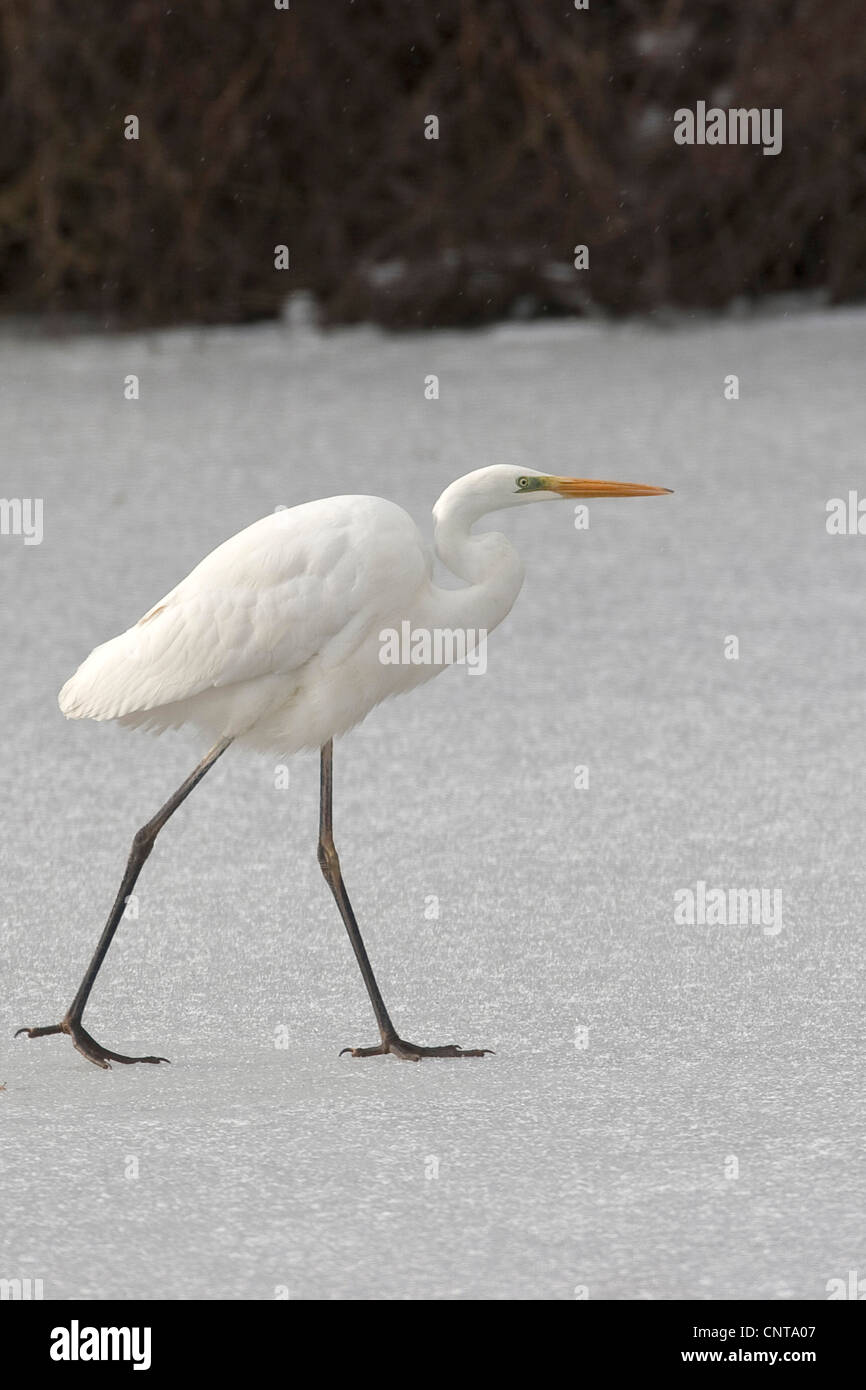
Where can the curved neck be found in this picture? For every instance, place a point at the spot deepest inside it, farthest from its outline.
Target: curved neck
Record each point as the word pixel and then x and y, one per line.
pixel 488 563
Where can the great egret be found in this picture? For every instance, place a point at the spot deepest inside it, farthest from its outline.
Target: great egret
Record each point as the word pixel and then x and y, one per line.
pixel 273 641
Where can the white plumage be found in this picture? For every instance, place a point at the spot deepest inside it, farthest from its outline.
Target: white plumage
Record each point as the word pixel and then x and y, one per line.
pixel 273 639
pixel 266 631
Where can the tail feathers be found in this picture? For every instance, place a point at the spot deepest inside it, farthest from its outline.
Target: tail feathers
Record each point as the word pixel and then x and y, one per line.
pixel 96 691
pixel 146 666
pixel 122 677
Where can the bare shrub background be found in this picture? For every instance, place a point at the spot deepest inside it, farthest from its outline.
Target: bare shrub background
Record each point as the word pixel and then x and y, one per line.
pixel 261 126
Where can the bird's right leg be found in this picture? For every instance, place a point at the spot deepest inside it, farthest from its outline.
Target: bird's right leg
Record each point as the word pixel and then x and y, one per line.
pixel 142 844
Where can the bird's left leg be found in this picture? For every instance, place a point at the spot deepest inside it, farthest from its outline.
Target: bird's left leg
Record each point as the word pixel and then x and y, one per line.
pixel 142 844
pixel 330 865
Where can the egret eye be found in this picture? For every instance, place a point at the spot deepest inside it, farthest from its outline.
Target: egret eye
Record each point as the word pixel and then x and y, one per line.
pixel 524 483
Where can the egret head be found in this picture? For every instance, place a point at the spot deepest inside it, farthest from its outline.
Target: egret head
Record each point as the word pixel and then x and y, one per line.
pixel 501 485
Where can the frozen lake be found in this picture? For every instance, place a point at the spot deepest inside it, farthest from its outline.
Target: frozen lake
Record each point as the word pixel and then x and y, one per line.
pixel 704 1137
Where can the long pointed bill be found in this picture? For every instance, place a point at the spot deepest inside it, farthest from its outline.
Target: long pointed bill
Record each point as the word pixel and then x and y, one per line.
pixel 595 487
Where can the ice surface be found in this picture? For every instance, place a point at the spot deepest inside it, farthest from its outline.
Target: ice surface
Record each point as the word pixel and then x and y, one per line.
pixel 558 1166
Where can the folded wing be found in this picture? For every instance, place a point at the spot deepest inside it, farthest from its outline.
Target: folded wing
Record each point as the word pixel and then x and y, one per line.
pixel 302 582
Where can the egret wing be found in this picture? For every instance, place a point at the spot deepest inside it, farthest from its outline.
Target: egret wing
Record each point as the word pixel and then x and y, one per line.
pixel 287 588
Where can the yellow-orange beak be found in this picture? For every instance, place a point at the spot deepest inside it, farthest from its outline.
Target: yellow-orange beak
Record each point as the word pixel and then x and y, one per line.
pixel 595 487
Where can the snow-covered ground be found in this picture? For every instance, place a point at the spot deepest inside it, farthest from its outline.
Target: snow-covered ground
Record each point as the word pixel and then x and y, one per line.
pixel 603 1161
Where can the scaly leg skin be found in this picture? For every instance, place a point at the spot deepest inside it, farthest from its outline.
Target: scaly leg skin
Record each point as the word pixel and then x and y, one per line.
pixel 88 1047
pixel 413 1052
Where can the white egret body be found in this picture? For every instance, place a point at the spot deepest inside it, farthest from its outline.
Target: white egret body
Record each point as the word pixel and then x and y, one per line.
pixel 273 640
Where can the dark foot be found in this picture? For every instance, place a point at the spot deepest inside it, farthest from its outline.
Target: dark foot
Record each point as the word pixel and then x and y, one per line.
pixel 88 1047
pixel 413 1052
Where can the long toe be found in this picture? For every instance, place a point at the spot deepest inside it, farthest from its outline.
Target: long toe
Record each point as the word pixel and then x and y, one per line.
pixel 103 1056
pixel 413 1052
pixel 454 1050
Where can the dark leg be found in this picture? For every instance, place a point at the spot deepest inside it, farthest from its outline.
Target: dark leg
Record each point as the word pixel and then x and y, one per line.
pixel 142 844
pixel 330 864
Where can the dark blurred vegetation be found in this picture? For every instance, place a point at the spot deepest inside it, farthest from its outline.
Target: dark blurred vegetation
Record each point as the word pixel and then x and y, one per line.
pixel 261 126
